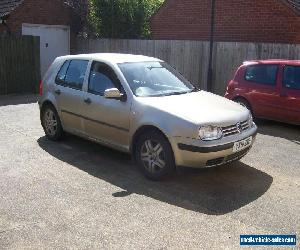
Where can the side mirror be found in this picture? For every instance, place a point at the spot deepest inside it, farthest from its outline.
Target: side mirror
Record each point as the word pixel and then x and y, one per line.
pixel 113 93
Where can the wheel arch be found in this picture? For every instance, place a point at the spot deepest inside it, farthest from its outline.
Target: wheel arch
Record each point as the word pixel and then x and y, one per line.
pixel 47 103
pixel 143 129
pixel 44 104
pixel 243 98
pixel 240 97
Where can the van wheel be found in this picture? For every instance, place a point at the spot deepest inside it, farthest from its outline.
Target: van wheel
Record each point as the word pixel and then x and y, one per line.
pixel 154 156
pixel 51 123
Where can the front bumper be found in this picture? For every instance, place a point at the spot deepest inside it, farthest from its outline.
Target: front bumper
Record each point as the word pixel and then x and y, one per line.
pixel 197 154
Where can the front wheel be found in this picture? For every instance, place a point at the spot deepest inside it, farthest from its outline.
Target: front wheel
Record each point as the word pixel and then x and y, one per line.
pixel 154 156
pixel 51 123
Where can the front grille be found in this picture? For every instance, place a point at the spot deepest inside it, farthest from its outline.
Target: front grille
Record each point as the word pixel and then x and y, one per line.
pixel 223 160
pixel 237 155
pixel 233 129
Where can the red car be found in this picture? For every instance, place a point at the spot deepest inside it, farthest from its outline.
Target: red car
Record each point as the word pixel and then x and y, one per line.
pixel 270 89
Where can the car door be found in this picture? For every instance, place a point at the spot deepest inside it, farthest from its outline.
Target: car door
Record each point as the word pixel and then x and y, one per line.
pixel 105 119
pixel 261 80
pixel 290 93
pixel 69 94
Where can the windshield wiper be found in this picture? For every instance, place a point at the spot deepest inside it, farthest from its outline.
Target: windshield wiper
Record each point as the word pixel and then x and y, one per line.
pixel 177 93
pixel 152 67
pixel 183 92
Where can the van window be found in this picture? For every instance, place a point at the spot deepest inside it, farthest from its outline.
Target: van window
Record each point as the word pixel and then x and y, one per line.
pixel 291 77
pixel 72 74
pixel 263 74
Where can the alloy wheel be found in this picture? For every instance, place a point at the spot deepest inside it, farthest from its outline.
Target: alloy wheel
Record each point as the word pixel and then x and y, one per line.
pixel 152 156
pixel 50 122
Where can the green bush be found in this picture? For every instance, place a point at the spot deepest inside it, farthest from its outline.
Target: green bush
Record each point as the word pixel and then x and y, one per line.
pixel 121 18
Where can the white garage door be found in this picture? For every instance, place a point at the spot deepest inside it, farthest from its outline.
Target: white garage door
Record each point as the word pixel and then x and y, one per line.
pixel 54 41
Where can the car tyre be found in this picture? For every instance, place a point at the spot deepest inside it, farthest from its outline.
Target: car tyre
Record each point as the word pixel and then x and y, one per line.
pixel 51 123
pixel 154 156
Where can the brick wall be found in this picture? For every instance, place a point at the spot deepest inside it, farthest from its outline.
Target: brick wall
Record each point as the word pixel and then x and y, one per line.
pixel 236 20
pixel 49 12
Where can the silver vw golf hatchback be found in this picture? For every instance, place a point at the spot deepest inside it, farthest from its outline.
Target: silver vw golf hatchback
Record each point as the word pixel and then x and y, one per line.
pixel 141 105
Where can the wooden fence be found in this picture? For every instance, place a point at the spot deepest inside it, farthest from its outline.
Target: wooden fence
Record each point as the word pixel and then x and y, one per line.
pixel 191 57
pixel 19 65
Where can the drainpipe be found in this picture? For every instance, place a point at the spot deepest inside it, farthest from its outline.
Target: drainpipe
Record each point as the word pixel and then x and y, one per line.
pixel 211 46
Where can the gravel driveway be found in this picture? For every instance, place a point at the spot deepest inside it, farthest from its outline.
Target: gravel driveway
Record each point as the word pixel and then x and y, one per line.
pixel 79 195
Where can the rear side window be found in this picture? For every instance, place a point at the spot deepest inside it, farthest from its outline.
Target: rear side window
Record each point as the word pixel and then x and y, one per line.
pixel 72 74
pixel 263 74
pixel 291 77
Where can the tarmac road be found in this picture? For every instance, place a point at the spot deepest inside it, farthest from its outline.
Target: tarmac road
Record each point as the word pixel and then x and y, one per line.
pixel 76 194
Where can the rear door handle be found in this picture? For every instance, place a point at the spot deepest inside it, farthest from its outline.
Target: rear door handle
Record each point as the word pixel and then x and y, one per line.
pixel 87 101
pixel 283 95
pixel 58 92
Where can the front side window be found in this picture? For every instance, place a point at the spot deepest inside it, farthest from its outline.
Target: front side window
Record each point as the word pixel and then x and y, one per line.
pixel 72 74
pixel 263 74
pixel 155 79
pixel 291 77
pixel 102 77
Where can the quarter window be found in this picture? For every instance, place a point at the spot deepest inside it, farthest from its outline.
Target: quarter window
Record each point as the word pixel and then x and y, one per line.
pixel 102 78
pixel 291 77
pixel 263 74
pixel 72 74
pixel 60 78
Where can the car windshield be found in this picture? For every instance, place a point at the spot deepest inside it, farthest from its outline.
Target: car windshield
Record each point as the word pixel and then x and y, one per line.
pixel 155 79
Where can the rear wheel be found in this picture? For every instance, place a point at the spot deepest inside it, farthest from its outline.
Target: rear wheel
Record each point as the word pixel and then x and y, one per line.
pixel 51 123
pixel 154 155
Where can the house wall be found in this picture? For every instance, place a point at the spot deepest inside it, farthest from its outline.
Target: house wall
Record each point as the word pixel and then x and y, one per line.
pixel 41 12
pixel 236 20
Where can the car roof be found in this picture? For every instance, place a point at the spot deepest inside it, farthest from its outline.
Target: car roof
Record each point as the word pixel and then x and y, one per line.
pixel 112 57
pixel 273 61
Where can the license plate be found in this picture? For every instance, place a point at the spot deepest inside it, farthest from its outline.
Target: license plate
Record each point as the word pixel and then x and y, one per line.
pixel 240 145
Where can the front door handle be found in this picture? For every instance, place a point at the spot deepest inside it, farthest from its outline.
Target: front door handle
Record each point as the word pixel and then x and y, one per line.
pixel 88 101
pixel 58 92
pixel 283 95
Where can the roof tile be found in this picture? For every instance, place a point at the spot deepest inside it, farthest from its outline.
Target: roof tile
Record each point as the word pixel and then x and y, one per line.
pixel 7 6
pixel 295 4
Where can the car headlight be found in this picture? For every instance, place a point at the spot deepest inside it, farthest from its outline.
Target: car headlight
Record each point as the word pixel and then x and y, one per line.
pixel 210 133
